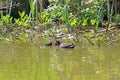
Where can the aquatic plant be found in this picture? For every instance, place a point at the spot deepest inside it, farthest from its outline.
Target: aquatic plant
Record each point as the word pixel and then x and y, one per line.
pixel 116 18
pixel 32 10
pixel 24 19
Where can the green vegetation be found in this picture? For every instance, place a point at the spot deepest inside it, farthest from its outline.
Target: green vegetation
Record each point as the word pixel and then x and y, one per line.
pixel 62 18
pixel 92 25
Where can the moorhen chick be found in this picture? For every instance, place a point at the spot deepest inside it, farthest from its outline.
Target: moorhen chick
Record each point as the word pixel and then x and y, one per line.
pixel 49 44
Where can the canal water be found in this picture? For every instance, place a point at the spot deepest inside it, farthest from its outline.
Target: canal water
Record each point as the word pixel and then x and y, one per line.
pixel 37 62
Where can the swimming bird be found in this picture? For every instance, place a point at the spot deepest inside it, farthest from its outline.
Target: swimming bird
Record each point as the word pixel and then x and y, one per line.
pixel 49 44
pixel 64 45
pixel 52 43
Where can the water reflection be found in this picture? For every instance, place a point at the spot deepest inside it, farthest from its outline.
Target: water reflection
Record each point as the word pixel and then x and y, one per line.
pixel 30 62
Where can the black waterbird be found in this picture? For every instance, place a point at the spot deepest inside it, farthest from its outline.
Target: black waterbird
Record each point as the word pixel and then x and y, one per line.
pixel 49 44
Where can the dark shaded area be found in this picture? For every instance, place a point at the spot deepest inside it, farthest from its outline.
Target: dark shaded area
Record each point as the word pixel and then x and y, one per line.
pixel 45 4
pixel 24 6
pixel 105 18
pixel 116 8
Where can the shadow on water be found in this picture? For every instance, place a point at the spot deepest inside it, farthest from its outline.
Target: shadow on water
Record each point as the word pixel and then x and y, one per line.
pixel 29 62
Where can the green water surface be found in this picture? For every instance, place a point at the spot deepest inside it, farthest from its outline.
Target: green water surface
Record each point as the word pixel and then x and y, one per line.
pixel 30 62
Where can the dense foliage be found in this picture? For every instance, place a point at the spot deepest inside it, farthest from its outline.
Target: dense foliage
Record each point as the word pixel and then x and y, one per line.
pixel 60 17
